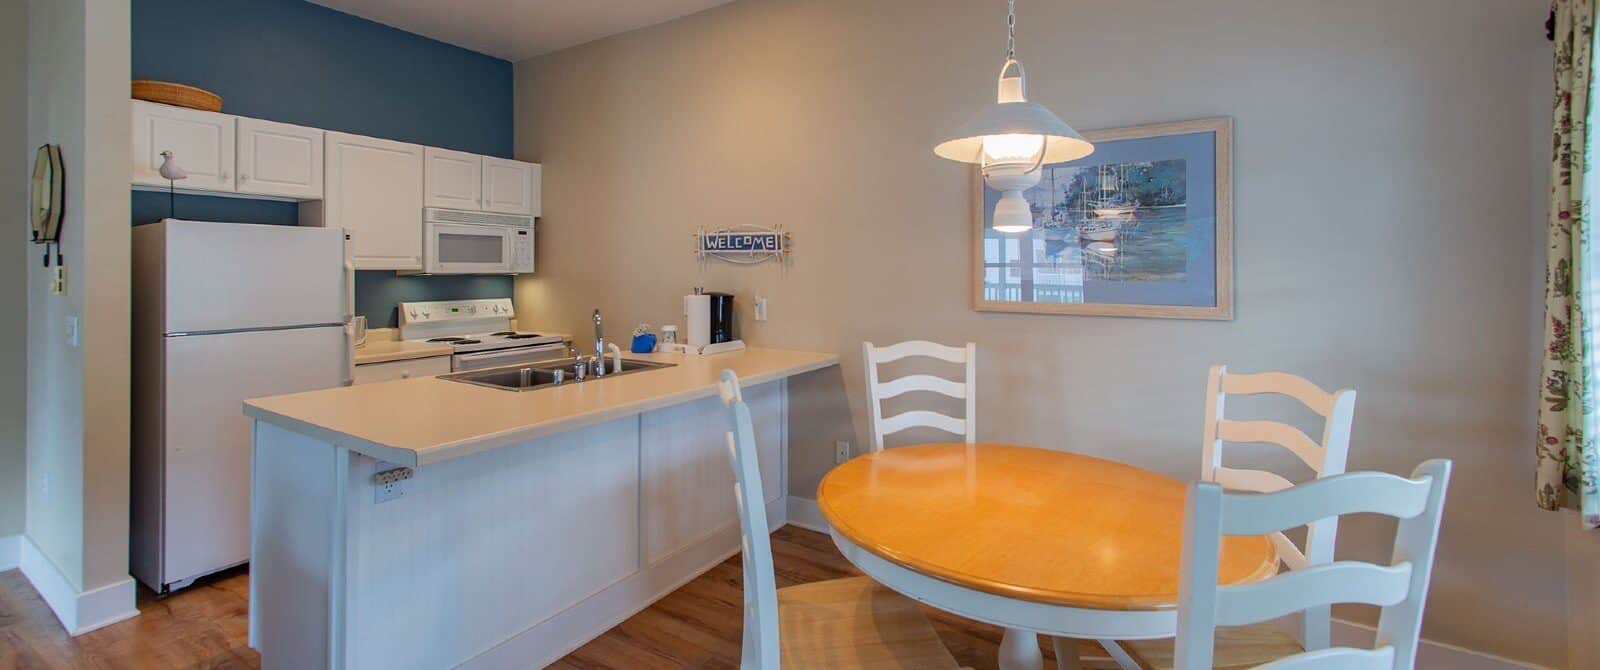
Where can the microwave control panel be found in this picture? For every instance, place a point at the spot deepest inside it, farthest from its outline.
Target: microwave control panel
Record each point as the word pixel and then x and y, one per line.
pixel 522 250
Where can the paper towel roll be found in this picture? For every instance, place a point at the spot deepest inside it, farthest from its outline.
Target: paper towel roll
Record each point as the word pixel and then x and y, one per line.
pixel 697 320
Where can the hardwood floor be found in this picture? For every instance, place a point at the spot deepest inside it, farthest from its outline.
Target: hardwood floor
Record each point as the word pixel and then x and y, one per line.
pixel 204 626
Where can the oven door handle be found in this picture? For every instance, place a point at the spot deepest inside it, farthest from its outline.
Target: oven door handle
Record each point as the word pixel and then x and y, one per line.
pixel 489 359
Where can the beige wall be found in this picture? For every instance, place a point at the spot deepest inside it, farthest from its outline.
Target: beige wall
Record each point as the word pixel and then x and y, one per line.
pixel 14 170
pixel 1389 187
pixel 77 400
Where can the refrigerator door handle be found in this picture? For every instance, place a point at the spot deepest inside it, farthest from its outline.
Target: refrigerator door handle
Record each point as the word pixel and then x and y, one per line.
pixel 349 314
pixel 349 281
pixel 349 354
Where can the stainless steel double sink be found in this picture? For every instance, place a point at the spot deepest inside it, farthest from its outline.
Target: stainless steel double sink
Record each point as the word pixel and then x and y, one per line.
pixel 545 374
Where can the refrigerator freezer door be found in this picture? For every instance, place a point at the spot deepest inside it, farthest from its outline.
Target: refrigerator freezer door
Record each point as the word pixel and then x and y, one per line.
pixel 233 276
pixel 208 378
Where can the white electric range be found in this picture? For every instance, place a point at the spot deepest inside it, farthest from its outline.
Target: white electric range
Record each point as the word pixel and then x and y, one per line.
pixel 478 332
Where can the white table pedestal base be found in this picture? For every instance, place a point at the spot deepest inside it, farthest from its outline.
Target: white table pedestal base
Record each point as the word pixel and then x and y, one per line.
pixel 1066 650
pixel 1019 650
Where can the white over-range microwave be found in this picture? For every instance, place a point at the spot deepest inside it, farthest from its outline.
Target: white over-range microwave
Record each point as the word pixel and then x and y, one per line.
pixel 456 242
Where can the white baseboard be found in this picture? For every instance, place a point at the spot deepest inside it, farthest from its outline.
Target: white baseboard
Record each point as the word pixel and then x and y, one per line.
pixel 1430 654
pixel 78 612
pixel 10 552
pixel 803 512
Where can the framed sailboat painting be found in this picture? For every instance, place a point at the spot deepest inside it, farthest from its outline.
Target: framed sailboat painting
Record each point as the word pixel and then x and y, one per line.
pixel 1143 227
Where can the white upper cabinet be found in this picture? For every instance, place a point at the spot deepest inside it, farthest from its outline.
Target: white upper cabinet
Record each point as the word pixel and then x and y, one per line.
pixel 202 143
pixel 278 159
pixel 374 191
pixel 510 187
pixel 454 179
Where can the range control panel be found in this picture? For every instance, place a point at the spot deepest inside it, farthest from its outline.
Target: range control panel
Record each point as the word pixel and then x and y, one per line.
pixel 452 310
pixel 420 320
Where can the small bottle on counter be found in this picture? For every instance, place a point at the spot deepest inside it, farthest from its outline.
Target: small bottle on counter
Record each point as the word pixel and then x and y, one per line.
pixel 669 334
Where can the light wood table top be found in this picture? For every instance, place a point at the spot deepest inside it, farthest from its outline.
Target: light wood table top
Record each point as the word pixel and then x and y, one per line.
pixel 1032 524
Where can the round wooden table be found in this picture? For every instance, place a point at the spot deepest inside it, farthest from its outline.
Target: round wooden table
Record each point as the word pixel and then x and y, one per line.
pixel 1034 540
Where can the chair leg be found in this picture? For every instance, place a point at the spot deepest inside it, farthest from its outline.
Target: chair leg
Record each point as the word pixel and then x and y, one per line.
pixel 1019 650
pixel 1066 650
pixel 1120 654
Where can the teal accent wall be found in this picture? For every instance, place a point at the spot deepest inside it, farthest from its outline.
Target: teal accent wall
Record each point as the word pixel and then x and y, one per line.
pixel 296 62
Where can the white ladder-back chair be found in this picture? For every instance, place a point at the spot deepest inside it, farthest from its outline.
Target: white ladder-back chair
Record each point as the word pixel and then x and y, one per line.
pixel 1400 588
pixel 1327 457
pixel 877 392
pixel 842 623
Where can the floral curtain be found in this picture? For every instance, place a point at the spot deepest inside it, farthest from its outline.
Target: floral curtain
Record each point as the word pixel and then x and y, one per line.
pixel 1568 466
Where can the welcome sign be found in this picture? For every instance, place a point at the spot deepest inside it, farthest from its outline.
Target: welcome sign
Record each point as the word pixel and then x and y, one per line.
pixel 744 245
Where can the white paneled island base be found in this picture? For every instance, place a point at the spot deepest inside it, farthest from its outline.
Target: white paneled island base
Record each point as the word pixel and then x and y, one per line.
pixel 507 557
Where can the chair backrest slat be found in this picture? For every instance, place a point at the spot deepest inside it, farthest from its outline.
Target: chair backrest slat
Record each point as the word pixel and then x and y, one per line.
pixel 760 647
pixel 921 418
pixel 877 392
pixel 1369 492
pixel 930 383
pixel 1400 587
pixel 1290 592
pixel 1281 434
pixel 1326 458
pixel 1282 383
pixel 1258 481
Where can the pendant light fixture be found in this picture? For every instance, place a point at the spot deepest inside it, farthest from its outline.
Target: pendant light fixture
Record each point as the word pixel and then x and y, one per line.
pixel 1012 139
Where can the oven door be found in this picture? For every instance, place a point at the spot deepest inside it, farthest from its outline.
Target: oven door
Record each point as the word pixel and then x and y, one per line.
pixel 503 357
pixel 466 248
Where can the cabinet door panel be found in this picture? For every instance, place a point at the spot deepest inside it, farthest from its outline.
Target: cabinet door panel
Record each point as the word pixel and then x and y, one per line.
pixel 279 159
pixel 374 190
pixel 201 143
pixel 454 179
pixel 405 369
pixel 687 484
pixel 509 186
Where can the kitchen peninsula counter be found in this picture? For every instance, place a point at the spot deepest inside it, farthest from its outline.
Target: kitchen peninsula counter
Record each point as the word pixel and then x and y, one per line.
pixel 426 523
pixel 427 420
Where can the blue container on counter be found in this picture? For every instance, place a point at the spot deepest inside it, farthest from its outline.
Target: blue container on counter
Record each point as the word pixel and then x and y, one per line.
pixel 644 344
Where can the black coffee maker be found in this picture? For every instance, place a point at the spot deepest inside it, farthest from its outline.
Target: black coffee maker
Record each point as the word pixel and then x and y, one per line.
pixel 721 317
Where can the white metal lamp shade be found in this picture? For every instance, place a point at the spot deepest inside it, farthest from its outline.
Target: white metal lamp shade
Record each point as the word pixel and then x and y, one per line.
pixel 1061 142
pixel 1012 139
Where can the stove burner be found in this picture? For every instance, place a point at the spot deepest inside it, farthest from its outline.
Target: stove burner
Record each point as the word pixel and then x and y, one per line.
pixel 447 339
pixel 523 336
pixel 469 341
pixel 503 333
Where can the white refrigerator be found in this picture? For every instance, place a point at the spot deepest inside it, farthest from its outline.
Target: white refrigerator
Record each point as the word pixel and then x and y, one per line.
pixel 222 312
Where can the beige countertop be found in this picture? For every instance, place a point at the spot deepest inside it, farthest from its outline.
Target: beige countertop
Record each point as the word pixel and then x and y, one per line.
pixel 428 420
pixel 398 350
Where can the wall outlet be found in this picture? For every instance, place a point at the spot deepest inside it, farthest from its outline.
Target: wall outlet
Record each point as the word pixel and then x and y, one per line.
pixel 390 484
pixel 841 452
pixel 761 308
pixel 58 281
pixel 72 332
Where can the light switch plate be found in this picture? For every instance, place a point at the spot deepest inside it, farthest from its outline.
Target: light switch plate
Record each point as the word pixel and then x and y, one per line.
pixel 761 308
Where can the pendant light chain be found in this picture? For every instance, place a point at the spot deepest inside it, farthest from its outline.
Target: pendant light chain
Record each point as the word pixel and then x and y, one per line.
pixel 1011 29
